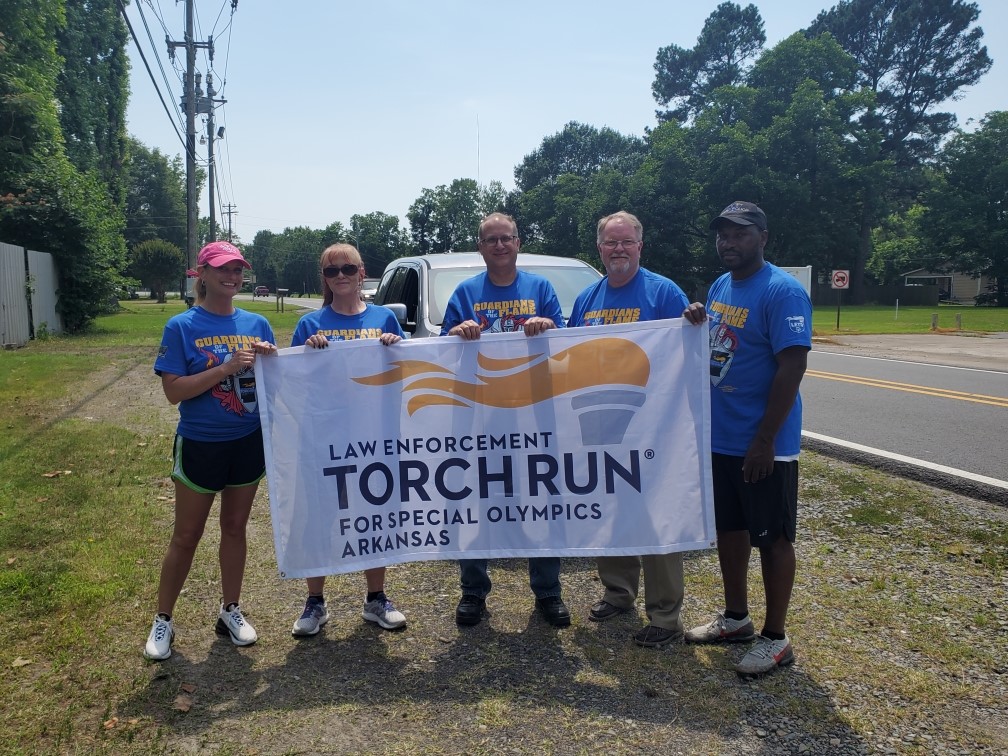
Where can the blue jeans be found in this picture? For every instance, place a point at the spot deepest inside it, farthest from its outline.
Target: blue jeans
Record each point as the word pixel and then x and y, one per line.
pixel 544 577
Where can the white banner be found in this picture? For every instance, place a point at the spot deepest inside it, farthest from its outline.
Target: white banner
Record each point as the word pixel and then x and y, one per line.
pixel 578 442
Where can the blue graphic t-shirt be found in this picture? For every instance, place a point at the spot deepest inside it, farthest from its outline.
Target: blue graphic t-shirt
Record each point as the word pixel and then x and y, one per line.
pixel 197 340
pixel 647 296
pixel 751 321
pixel 502 309
pixel 370 324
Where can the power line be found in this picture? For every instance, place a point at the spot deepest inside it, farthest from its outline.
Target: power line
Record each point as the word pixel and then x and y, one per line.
pixel 122 10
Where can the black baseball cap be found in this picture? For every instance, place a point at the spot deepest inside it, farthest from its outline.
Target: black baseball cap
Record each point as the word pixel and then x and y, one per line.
pixel 742 214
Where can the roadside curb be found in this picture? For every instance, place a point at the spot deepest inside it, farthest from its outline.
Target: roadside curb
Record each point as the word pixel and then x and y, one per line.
pixel 974 487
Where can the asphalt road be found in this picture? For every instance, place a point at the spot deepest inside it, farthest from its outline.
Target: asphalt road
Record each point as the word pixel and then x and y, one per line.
pixel 934 407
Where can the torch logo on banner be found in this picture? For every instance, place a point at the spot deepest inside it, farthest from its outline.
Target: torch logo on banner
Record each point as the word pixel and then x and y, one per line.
pixel 609 376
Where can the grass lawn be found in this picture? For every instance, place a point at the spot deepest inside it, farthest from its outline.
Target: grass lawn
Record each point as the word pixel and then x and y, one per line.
pixel 876 319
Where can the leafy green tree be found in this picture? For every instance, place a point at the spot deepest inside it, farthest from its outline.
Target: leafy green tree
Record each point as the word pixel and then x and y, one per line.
pixel 913 55
pixel 731 38
pixel 446 218
pixel 898 246
pixel 563 182
pixel 380 239
pixel 421 218
pixel 157 264
pixel 93 88
pixel 155 196
pixel 581 150
pixel 967 218
pixel 48 204
pixel 29 65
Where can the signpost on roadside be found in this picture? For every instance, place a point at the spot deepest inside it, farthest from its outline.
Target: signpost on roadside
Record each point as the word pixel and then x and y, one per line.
pixel 839 280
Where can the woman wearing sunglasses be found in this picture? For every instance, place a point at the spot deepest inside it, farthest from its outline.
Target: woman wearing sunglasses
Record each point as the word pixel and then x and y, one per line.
pixel 344 315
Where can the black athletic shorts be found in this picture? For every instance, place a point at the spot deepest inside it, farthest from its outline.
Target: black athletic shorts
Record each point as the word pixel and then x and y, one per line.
pixel 212 466
pixel 766 509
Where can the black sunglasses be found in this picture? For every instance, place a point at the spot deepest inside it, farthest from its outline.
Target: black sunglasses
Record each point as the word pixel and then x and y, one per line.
pixel 347 270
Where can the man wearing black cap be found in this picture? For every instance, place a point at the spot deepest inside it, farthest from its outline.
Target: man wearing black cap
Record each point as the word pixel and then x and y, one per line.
pixel 760 336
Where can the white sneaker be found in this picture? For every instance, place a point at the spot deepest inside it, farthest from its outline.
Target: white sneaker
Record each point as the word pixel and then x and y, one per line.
pixel 315 615
pixel 233 623
pixel 723 630
pixel 160 639
pixel 383 612
pixel 766 656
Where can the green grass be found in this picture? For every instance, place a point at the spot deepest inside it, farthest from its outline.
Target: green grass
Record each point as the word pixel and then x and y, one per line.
pixel 874 319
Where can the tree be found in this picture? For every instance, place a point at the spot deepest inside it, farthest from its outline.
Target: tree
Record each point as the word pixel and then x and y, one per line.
pixel 380 239
pixel 581 150
pixel 48 204
pixel 157 264
pixel 898 246
pixel 967 217
pixel 446 218
pixel 558 180
pixel 732 37
pixel 93 88
pixel 155 196
pixel 913 55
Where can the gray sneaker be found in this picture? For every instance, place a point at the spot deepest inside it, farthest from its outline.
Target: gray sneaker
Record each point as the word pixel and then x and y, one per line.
pixel 766 656
pixel 382 612
pixel 723 630
pixel 315 614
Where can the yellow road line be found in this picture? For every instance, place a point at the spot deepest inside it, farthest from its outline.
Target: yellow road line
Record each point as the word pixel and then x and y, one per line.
pixel 996 401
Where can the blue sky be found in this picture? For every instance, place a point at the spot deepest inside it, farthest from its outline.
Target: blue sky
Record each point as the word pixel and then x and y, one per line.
pixel 336 108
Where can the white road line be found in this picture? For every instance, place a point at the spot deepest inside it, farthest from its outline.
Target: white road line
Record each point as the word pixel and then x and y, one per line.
pixel 994 482
pixel 907 362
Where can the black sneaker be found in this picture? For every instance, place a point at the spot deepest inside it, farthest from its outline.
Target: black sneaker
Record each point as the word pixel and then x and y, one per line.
pixel 470 610
pixel 554 611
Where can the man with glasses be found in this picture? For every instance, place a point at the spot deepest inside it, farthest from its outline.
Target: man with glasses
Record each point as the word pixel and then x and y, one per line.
pixel 504 299
pixel 629 294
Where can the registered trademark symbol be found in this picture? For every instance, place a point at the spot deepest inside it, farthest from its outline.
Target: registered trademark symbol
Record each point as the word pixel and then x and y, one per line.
pixel 649 454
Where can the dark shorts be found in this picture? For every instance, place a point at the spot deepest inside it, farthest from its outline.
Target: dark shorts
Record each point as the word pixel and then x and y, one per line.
pixel 766 509
pixel 212 466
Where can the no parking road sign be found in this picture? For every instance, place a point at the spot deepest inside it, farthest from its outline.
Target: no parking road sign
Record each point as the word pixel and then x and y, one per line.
pixel 839 280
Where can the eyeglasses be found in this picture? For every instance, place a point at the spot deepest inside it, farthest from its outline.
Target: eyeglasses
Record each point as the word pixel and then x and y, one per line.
pixel 491 241
pixel 611 244
pixel 347 270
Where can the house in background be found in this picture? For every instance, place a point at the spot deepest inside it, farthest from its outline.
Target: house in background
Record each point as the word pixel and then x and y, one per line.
pixel 962 288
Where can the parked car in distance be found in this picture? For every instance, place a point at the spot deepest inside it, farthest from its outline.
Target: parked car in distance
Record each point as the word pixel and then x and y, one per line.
pixel 369 289
pixel 417 288
pixel 261 291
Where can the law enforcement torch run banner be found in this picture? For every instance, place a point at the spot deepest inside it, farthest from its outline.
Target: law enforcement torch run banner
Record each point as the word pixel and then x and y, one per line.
pixel 577 442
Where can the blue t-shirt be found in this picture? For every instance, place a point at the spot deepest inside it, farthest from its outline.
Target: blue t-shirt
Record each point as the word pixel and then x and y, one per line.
pixel 646 296
pixel 197 340
pixel 370 324
pixel 751 321
pixel 501 309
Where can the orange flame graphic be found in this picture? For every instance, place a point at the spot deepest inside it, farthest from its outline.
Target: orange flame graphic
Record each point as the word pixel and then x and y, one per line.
pixel 520 381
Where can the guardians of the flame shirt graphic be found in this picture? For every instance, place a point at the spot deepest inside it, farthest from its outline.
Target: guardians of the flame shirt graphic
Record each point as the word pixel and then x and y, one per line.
pixel 196 341
pixel 236 393
pixel 504 317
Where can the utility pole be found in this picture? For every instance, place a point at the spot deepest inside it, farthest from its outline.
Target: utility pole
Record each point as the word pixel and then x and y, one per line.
pixel 189 105
pixel 206 105
pixel 231 210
